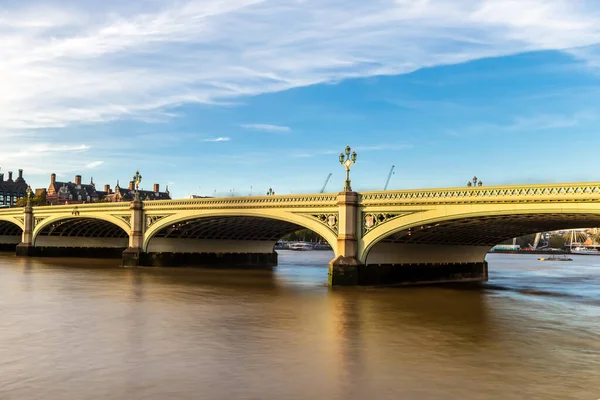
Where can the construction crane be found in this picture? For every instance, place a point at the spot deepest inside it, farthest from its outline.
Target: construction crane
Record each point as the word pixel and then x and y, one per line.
pixel 325 184
pixel 537 240
pixel 389 176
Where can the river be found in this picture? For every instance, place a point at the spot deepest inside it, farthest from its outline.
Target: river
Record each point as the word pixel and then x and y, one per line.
pixel 86 329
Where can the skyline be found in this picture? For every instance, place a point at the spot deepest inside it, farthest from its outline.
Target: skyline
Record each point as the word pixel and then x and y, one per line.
pixel 217 95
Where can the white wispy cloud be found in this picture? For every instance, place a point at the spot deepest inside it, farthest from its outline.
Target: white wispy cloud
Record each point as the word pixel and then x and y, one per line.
pixel 90 63
pixel 218 139
pixel 267 128
pixel 36 156
pixel 66 64
pixel 94 164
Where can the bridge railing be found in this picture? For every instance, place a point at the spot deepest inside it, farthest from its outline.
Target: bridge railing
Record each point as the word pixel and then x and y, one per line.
pixel 586 191
pixel 13 211
pixel 486 194
pixel 307 200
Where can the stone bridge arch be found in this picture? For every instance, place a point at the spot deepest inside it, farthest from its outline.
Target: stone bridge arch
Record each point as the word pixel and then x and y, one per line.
pixel 18 221
pixel 460 236
pixel 11 231
pixel 87 235
pixel 517 220
pixel 279 223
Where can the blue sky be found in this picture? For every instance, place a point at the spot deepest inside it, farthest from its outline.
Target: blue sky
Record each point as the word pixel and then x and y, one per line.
pixel 242 95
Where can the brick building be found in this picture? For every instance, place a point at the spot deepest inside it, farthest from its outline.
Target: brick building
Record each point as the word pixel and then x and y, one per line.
pixel 79 193
pixel 127 194
pixel 71 192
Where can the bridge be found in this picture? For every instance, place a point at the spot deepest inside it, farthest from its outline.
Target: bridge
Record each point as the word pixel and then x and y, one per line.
pixel 400 236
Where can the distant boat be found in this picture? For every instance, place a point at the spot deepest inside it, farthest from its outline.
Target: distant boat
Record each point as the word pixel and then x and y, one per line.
pixel 581 249
pixel 585 250
pixel 555 258
pixel 301 246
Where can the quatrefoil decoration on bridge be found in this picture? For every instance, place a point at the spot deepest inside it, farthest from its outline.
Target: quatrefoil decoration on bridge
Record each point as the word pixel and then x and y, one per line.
pixel 329 220
pixel 372 220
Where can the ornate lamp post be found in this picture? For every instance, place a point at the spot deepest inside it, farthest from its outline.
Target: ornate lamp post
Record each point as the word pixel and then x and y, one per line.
pixel 347 162
pixel 137 179
pixel 28 196
pixel 475 182
pixel 270 192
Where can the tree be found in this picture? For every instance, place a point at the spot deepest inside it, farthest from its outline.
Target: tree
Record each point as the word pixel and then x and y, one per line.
pixel 557 242
pixel 305 235
pixel 523 241
pixel 35 201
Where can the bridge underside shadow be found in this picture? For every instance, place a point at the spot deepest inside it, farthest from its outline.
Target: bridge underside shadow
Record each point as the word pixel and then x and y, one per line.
pixel 80 237
pixel 223 241
pixel 454 250
pixel 10 236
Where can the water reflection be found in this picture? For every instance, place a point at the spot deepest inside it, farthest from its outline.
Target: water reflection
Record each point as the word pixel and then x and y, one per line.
pixel 97 331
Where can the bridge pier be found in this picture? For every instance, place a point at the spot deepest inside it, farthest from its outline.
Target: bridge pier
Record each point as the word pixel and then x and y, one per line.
pixel 134 255
pixel 344 269
pixel 25 248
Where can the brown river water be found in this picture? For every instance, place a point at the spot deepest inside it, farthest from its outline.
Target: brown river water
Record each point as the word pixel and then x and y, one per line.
pixel 86 329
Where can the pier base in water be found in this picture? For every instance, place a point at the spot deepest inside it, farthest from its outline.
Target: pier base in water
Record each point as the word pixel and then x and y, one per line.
pixel 8 247
pixel 210 260
pixel 81 252
pixel 346 272
pixel 417 274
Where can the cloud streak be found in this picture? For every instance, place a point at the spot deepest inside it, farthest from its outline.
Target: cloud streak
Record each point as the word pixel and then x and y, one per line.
pixel 94 164
pixel 267 128
pixel 218 139
pixel 78 64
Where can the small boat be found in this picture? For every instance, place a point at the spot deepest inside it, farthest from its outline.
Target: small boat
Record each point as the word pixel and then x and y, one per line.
pixel 585 250
pixel 581 249
pixel 555 258
pixel 301 246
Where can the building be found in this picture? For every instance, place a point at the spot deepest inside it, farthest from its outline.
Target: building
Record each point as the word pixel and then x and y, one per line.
pixel 12 190
pixel 71 192
pixel 127 194
pixel 79 193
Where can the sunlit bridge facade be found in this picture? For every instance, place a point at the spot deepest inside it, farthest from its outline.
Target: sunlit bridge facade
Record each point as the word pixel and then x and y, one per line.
pixel 434 235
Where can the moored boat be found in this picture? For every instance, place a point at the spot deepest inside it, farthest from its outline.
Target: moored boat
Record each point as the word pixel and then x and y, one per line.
pixel 301 246
pixel 585 250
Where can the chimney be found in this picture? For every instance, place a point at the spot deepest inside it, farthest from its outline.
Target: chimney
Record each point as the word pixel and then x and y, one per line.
pixel 156 187
pixel 131 185
pixel 107 189
pixel 52 179
pixel 78 179
pixel 10 176
pixel 20 174
pixel 1 177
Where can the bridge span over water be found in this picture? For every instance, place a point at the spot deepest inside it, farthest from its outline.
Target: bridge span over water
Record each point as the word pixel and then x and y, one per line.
pixel 401 236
